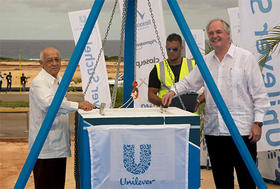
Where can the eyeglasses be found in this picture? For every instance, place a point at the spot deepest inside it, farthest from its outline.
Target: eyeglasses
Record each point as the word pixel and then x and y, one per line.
pixel 50 60
pixel 175 49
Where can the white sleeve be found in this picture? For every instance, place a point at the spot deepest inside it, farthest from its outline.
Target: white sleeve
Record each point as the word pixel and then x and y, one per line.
pixel 192 82
pixel 43 96
pixel 257 89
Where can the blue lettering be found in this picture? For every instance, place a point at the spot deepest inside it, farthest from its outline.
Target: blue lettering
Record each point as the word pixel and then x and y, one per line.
pixel 268 138
pixel 89 65
pixel 83 19
pixel 269 80
pixel 95 79
pixel 262 46
pixel 264 32
pixel 261 7
pixel 90 71
pixel 147 105
pixel 89 57
pixel 88 48
pixel 95 97
pixel 96 103
pixel 274 119
pixel 135 181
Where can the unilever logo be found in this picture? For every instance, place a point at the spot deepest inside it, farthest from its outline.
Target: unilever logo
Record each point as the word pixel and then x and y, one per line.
pixel 136 168
pixel 129 159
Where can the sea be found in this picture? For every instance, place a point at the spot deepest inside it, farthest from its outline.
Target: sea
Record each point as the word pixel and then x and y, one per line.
pixel 30 49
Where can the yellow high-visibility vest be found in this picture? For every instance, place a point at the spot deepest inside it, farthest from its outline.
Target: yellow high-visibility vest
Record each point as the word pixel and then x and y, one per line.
pixel 163 75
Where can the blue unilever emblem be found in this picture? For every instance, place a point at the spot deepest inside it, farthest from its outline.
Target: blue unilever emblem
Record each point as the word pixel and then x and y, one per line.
pixel 129 158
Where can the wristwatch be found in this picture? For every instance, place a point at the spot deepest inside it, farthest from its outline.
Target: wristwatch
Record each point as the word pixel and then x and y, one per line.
pixel 260 124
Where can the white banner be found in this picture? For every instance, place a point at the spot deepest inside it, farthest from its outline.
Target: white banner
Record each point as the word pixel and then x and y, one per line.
pixel 98 91
pixel 133 156
pixel 257 18
pixel 148 52
pixel 200 41
pixel 234 18
pixel 269 165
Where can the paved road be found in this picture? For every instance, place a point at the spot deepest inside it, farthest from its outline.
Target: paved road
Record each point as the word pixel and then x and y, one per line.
pixel 14 121
pixel 13 125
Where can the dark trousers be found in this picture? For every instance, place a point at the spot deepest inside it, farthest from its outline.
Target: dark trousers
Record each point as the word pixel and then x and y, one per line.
pixel 49 173
pixel 9 85
pixel 224 157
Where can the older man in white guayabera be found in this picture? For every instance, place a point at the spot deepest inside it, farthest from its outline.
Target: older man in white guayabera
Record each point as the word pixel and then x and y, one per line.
pixel 49 170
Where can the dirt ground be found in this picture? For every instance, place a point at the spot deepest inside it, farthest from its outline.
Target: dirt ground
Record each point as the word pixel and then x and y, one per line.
pixel 32 68
pixel 14 152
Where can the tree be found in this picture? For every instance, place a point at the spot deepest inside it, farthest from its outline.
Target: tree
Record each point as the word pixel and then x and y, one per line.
pixel 269 44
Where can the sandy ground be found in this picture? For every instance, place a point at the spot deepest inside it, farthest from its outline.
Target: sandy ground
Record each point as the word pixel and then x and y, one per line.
pixel 32 68
pixel 15 151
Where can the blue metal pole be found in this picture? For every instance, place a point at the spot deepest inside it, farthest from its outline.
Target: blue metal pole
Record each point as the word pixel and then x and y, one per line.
pixel 216 94
pixel 59 95
pixel 129 55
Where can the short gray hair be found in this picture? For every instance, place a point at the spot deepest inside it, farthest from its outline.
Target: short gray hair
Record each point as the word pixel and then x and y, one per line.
pixel 42 53
pixel 226 25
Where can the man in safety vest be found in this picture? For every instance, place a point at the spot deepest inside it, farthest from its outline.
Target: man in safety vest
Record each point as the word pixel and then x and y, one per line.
pixel 162 75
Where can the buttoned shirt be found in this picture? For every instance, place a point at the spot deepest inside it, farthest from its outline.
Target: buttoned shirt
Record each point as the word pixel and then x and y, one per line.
pixel 240 83
pixel 42 90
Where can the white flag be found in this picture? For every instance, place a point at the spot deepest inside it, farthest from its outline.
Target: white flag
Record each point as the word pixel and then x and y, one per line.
pixel 199 38
pixel 257 18
pixel 98 91
pixel 234 18
pixel 148 51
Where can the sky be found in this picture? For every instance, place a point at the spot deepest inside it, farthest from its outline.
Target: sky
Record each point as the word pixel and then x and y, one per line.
pixel 48 20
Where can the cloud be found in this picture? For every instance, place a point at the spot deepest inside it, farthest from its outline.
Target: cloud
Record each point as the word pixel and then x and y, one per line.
pixel 41 19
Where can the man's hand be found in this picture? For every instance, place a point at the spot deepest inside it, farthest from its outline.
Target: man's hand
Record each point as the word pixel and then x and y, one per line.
pixel 167 98
pixel 255 134
pixel 86 106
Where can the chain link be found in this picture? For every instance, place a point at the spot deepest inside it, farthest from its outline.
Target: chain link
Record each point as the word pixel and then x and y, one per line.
pixel 162 52
pixel 114 95
pixel 103 43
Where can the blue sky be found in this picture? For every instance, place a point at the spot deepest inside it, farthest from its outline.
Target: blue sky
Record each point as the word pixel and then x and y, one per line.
pixel 41 19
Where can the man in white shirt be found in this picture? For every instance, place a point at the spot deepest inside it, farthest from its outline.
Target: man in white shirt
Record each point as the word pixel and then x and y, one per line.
pixel 49 170
pixel 239 80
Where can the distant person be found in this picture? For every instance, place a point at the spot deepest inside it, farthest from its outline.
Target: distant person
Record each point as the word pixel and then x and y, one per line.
pixel 239 80
pixel 23 80
pixel 50 168
pixel 9 81
pixel 166 73
pixel 1 79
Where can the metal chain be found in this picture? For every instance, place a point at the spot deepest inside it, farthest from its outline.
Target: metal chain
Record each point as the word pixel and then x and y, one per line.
pixel 103 43
pixel 163 54
pixel 156 30
pixel 114 95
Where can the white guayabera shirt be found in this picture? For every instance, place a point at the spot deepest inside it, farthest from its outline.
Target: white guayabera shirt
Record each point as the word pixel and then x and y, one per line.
pixel 240 83
pixel 42 91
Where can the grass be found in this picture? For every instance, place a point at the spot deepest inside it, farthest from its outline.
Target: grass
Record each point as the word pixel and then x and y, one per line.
pixel 14 104
pixel 119 99
pixel 7 59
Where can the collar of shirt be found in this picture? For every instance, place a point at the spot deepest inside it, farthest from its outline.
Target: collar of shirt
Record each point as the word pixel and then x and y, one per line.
pixel 50 78
pixel 230 52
